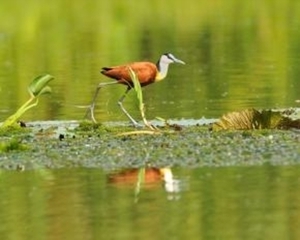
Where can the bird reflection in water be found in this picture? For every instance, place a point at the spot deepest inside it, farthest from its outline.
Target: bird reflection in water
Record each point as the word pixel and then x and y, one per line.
pixel 151 178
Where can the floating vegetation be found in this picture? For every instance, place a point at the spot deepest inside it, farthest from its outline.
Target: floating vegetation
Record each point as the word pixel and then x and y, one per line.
pixel 87 126
pixel 13 144
pixel 255 119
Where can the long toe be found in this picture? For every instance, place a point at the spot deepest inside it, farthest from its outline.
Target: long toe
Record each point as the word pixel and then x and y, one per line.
pixel 137 125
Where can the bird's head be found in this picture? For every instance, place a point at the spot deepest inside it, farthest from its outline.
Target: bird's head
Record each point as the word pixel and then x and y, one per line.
pixel 168 58
pixel 163 65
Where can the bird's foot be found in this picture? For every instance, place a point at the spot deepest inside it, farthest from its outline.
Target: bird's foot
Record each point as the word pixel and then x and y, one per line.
pixel 90 114
pixel 140 126
pixel 136 125
pixel 152 127
pixel 149 125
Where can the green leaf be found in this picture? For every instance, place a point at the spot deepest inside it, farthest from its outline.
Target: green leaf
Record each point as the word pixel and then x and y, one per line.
pixel 39 85
pixel 137 86
pixel 45 90
pixel 139 95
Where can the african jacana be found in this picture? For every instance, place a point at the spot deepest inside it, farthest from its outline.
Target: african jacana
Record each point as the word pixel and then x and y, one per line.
pixel 146 72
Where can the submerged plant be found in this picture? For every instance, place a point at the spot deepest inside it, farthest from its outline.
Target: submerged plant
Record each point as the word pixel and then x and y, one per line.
pixel 39 86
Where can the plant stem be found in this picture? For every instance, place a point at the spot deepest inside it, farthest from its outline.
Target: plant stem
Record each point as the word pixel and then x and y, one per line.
pixel 13 118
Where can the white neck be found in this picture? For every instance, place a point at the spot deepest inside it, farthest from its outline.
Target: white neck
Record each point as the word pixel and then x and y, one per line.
pixel 162 68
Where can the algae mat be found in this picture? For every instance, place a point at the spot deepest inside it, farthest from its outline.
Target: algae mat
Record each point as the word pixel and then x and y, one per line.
pixel 65 145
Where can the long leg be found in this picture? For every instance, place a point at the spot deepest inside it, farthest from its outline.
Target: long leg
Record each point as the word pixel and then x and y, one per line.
pixel 92 106
pixel 120 103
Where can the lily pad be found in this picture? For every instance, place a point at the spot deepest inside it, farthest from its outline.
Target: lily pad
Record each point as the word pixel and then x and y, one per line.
pixel 255 119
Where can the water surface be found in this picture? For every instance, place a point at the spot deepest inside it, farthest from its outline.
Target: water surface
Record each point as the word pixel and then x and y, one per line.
pixel 238 55
pixel 214 203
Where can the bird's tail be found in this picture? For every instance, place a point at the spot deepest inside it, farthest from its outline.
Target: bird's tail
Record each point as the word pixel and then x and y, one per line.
pixel 105 69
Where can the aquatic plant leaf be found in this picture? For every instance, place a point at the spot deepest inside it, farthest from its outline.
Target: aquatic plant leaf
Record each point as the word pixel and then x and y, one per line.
pixel 36 88
pixel 238 120
pixel 139 94
pixel 39 85
pixel 137 86
pixel 45 90
pixel 254 119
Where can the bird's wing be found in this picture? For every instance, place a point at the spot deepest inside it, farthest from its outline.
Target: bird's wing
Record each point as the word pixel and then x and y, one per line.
pixel 145 71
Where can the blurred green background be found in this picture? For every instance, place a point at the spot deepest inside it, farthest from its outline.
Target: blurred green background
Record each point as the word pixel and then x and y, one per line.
pixel 239 54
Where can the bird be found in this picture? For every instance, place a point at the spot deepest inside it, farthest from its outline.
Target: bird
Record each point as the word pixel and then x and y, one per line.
pixel 146 72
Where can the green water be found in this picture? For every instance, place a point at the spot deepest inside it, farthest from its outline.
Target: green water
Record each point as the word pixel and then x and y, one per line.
pixel 215 203
pixel 238 55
